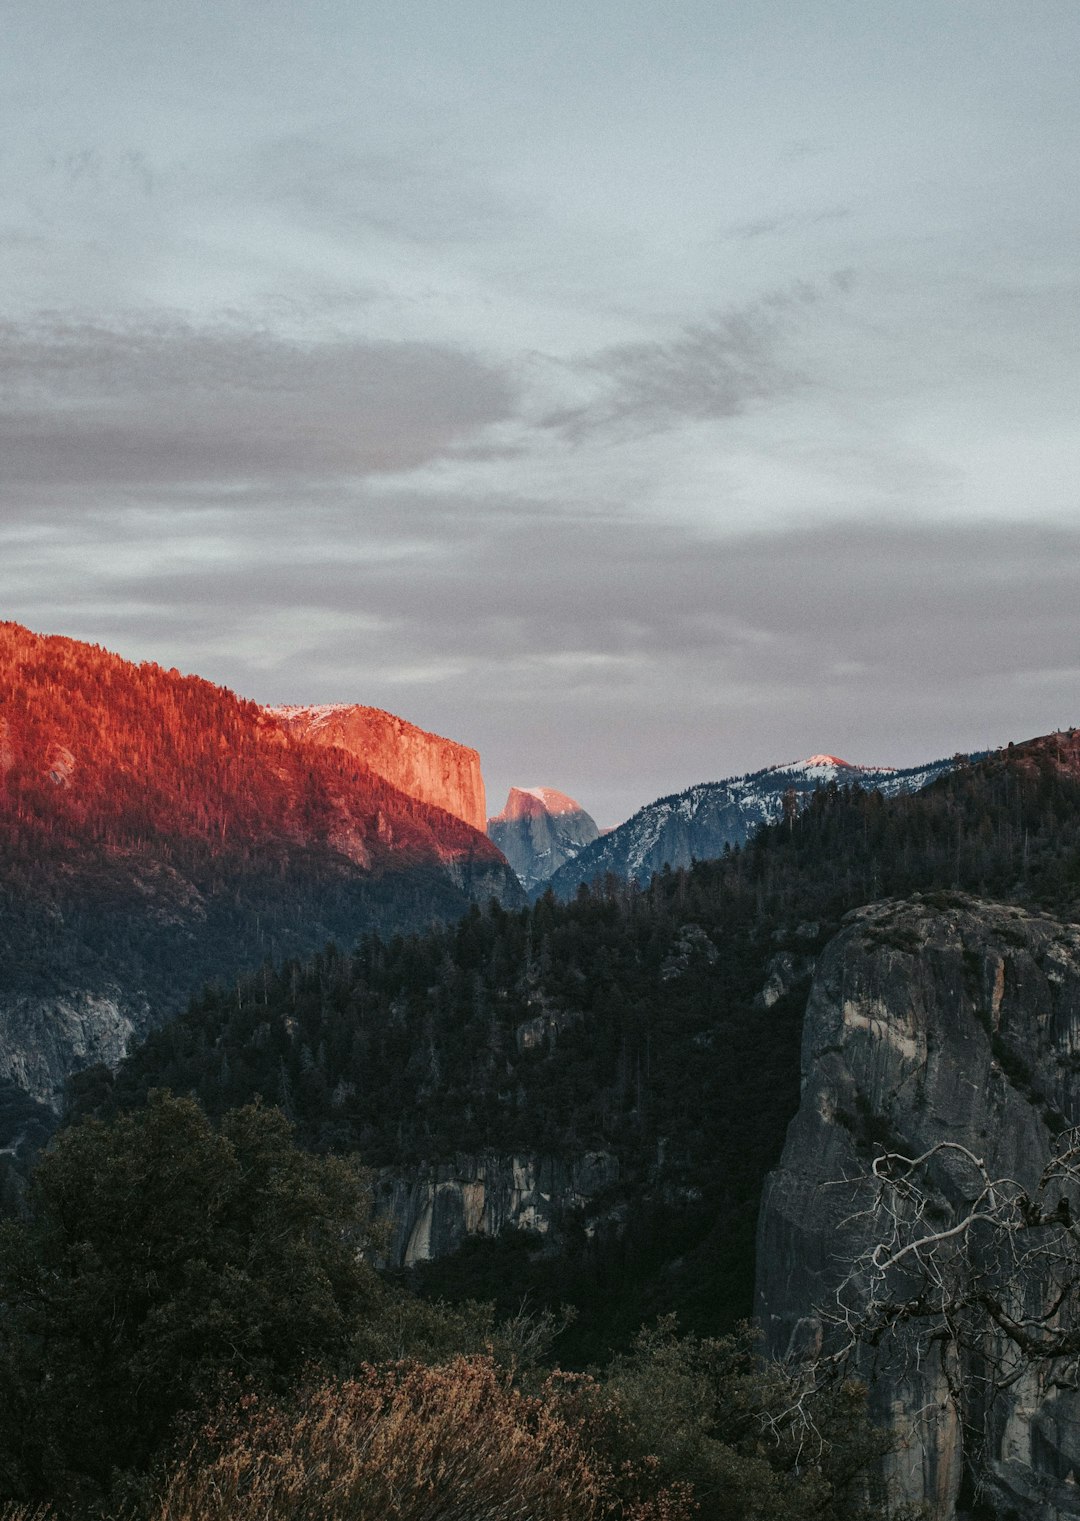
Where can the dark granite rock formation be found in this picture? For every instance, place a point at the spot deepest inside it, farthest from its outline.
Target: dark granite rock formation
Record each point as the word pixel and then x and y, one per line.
pixel 944 1018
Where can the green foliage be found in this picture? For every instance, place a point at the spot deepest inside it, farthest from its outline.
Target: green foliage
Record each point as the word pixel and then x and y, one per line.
pixel 411 1049
pixel 161 1254
pixel 754 1444
pixel 603 1025
pixel 172 1276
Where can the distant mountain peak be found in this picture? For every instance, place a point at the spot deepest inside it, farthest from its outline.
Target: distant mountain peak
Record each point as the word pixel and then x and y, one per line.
pixel 539 830
pixel 702 821
pixel 824 760
pixel 526 802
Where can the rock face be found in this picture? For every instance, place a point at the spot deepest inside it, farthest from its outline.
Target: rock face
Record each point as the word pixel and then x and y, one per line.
pixel 157 832
pixel 928 1020
pixel 43 1040
pixel 422 765
pixel 433 1209
pixel 697 824
pixel 540 830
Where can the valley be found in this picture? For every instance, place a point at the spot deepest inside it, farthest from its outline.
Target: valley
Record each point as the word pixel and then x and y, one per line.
pixel 629 1101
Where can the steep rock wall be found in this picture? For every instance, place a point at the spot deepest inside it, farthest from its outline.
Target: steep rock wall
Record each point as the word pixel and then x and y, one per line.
pixel 422 765
pixel 433 1208
pixel 539 831
pixel 929 1020
pixel 44 1040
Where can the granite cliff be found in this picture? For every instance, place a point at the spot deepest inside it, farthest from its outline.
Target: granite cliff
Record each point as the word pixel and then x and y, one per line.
pixel 157 832
pixel 931 1019
pixel 432 1209
pixel 539 830
pixel 423 766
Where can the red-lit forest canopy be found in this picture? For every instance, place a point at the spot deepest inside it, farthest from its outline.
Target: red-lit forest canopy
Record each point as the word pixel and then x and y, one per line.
pixel 98 751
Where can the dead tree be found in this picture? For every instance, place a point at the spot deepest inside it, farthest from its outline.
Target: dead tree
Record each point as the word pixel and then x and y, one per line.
pixel 977 1272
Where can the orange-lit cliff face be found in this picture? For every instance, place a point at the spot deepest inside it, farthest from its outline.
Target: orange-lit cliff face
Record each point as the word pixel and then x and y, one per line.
pixel 531 802
pixel 539 830
pixel 96 747
pixel 422 765
pixel 158 833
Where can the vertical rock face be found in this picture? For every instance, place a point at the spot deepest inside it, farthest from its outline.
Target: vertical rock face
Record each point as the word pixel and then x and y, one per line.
pixel 540 830
pixel 422 765
pixel 42 1040
pixel 157 831
pixel 929 1020
pixel 433 1209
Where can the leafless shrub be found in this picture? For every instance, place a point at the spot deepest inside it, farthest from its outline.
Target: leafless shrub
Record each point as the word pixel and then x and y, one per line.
pixel 458 1442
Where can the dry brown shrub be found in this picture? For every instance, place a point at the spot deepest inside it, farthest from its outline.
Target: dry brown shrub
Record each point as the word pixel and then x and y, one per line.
pixel 410 1443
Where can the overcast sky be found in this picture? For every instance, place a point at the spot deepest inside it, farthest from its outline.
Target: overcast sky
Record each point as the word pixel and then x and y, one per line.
pixel 639 390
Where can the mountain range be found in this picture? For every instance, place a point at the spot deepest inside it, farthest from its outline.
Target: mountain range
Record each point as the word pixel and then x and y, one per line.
pixel 157 832
pixel 583 1100
pixel 705 820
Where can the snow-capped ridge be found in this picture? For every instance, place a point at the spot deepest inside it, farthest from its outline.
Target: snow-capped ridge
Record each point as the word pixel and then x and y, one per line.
pixel 831 766
pixel 813 761
pixel 704 820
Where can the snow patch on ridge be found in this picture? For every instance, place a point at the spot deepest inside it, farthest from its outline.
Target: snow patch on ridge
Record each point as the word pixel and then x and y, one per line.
pixel 315 713
pixel 700 820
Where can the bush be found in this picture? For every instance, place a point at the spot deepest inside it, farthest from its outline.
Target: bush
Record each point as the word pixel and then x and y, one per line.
pixel 755 1443
pixel 407 1442
pixel 159 1256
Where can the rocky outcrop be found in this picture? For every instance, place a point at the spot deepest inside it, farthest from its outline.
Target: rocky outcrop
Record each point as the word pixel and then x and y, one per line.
pixel 157 832
pixel 44 1040
pixel 783 972
pixel 422 765
pixel 433 1209
pixel 692 944
pixel 539 830
pixel 943 1018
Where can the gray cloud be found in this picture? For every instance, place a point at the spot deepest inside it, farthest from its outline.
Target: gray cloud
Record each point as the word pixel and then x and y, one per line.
pixel 708 370
pixel 419 189
pixel 83 403
pixel 615 658
pixel 89 168
pixel 570 221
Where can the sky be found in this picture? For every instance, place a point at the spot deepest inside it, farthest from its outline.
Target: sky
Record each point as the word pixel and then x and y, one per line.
pixel 641 391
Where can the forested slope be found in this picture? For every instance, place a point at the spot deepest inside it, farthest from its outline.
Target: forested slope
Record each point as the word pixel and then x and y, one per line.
pixel 157 831
pixel 629 1020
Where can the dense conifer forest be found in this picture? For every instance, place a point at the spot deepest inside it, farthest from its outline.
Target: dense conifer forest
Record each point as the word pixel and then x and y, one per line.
pixel 157 831
pixel 192 1324
pixel 628 1021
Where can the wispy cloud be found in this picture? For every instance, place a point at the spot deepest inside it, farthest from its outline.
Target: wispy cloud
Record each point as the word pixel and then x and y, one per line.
pixel 715 368
pixel 780 223
pixel 417 189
